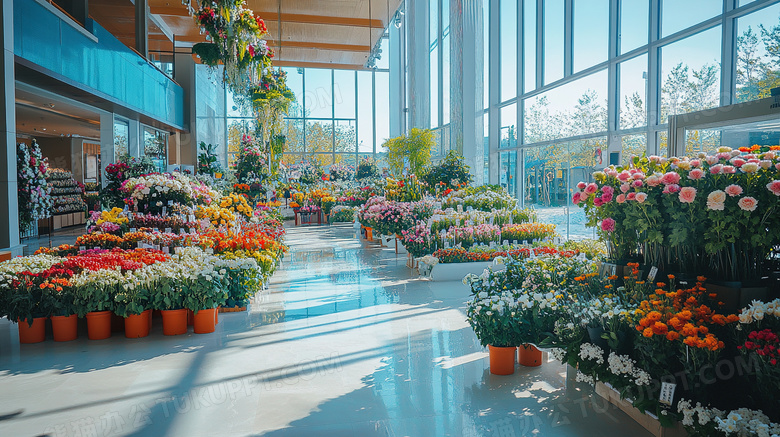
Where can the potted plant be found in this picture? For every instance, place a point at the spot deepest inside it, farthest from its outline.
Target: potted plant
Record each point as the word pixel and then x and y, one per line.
pixel 202 296
pixel 64 321
pixel 132 304
pixel 497 328
pixel 93 297
pixel 168 298
pixel 25 305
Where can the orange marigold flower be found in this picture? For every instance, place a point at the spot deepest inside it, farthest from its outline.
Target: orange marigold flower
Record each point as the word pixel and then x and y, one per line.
pixel 731 318
pixel 660 328
pixel 648 332
pixel 660 284
pixel 701 278
pixel 654 316
pixel 690 341
pixel 672 335
pixel 676 323
pixel 670 276
pixel 645 322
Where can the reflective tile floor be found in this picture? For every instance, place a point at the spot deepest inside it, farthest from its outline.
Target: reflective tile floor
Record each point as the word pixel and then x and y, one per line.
pixel 344 343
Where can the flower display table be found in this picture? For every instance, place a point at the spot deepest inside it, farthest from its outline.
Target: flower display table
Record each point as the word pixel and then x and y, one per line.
pixel 456 271
pixel 648 421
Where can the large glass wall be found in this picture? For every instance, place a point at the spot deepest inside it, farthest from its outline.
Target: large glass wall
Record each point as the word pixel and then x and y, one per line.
pixel 338 116
pixel 599 79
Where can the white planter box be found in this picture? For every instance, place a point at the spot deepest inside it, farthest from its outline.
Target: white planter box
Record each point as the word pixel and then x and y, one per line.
pixel 457 271
pixel 388 241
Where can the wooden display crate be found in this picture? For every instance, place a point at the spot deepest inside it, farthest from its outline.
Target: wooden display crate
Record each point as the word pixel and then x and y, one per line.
pixel 647 421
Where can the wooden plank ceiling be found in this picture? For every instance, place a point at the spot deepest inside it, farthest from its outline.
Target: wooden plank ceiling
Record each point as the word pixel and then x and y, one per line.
pixel 304 33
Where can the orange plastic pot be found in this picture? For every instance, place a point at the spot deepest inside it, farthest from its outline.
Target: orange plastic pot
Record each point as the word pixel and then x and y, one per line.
pixel 65 328
pixel 174 322
pixel 502 360
pixel 528 355
pixel 99 325
pixel 369 234
pixel 137 325
pixel 204 321
pixel 32 334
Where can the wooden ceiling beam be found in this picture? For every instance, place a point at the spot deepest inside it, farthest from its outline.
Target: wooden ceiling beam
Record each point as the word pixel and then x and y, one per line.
pixel 321 46
pixel 176 11
pixel 326 65
pixel 321 19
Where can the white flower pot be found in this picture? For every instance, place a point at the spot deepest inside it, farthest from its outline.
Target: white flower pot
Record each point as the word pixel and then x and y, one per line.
pixel 388 240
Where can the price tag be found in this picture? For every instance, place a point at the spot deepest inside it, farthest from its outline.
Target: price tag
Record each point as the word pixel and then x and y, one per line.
pixel 506 242
pixel 164 211
pixel 168 230
pixel 133 230
pixel 82 248
pixel 446 244
pixel 514 243
pixel 525 242
pixel 166 250
pixel 652 274
pixel 491 219
pixel 156 229
pixel 130 216
pixel 667 393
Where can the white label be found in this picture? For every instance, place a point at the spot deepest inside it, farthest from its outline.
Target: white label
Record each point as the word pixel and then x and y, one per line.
pixel 130 216
pixel 525 242
pixel 166 249
pixel 133 230
pixel 164 211
pixel 156 229
pixel 506 242
pixel 182 231
pixel 652 274
pixel 192 218
pixel 667 393
pixel 514 243
pixel 168 230
pixel 82 248
pixel 491 219
pixel 446 244
pixel 613 269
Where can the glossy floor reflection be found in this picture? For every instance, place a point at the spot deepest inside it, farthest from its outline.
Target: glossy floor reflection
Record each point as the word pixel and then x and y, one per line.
pixel 345 342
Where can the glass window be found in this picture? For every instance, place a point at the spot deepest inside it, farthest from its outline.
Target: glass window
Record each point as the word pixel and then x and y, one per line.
pixel 634 19
pixel 434 16
pixel 295 83
pixel 758 57
pixel 383 62
pixel 529 45
pixel 677 15
pixel 662 139
pixel 576 108
pixel 631 146
pixel 435 87
pixel 294 134
pixel 553 40
pixel 156 147
pixel 508 45
pixel 365 120
pixel 486 149
pixel 633 92
pixel 319 136
pixel 445 79
pixel 344 93
pixel 345 136
pixel 486 51
pixel 382 103
pixel 690 74
pixel 319 93
pixel 591 33
pixel 507 171
pixel 508 120
pixel 121 138
pixel 702 140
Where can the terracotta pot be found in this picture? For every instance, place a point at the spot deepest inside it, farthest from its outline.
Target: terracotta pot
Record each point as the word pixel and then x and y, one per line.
pixel 369 234
pixel 204 321
pixel 174 322
pixel 502 360
pixel 65 328
pixel 528 355
pixel 137 325
pixel 32 334
pixel 99 325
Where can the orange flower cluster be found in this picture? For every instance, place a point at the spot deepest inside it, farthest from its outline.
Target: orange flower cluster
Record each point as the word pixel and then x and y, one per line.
pixel 99 240
pixel 230 242
pixel 682 315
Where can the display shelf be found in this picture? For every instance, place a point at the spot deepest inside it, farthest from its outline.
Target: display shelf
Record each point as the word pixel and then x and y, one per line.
pixel 68 206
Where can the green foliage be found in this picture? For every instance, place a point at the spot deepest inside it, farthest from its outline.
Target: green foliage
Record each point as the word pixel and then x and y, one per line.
pixel 451 172
pixel 416 148
pixel 207 161
pixel 367 169
pixel 94 296
pixel 132 301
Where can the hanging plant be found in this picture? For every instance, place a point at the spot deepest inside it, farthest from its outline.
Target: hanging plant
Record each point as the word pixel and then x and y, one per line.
pixel 271 100
pixel 236 41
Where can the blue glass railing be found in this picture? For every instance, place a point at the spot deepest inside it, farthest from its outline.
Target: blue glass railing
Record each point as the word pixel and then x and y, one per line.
pixel 95 59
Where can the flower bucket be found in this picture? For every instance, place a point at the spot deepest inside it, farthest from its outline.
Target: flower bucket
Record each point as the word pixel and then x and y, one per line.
pixel 204 321
pixel 99 325
pixel 502 360
pixel 174 322
pixel 32 334
pixel 137 325
pixel 65 328
pixel 528 355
